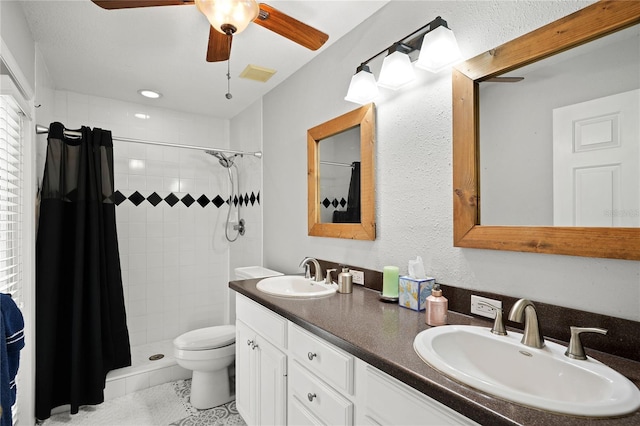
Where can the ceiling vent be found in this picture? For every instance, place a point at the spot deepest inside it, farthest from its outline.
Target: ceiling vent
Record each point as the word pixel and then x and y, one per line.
pixel 254 72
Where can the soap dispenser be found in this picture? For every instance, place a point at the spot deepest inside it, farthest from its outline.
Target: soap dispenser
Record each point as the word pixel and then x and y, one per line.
pixel 437 307
pixel 345 281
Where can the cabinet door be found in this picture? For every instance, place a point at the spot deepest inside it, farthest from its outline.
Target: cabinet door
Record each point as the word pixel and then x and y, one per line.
pixel 245 373
pixel 271 386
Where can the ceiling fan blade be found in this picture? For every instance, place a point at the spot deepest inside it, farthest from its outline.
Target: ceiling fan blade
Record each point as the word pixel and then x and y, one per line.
pixel 505 79
pixel 128 4
pixel 299 32
pixel 219 46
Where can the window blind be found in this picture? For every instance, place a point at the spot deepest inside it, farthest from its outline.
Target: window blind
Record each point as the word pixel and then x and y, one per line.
pixel 11 212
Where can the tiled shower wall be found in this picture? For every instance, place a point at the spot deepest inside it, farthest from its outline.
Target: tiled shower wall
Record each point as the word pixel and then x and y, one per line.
pixel 171 212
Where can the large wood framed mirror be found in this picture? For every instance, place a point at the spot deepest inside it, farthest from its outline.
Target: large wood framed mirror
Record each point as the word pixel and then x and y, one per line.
pixel 341 191
pixel 583 27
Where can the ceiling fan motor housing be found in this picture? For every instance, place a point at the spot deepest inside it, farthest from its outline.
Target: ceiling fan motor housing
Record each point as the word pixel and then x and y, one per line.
pixel 224 15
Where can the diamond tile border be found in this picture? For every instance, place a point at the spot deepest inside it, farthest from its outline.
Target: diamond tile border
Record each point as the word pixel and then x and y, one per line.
pixel 326 203
pixel 187 200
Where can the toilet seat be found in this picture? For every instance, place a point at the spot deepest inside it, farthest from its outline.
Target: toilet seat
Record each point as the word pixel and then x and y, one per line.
pixel 206 338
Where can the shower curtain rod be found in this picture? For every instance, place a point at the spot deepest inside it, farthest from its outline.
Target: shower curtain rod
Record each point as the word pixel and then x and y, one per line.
pixel 333 163
pixel 40 129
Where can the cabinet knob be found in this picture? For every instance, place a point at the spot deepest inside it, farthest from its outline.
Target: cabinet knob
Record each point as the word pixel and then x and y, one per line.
pixel 311 396
pixel 311 355
pixel 254 345
pixel 249 342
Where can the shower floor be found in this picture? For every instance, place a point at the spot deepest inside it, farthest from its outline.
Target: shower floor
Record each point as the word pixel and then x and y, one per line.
pixel 144 373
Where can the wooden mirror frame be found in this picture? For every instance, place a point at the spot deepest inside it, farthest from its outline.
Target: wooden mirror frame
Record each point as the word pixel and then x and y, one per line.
pixel 366 229
pixel 592 22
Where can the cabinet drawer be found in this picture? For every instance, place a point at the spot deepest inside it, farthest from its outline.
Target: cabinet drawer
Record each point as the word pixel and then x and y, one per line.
pixel 409 407
pixel 329 362
pixel 270 325
pixel 318 398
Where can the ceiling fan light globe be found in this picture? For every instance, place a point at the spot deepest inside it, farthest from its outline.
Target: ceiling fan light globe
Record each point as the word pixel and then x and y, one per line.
pixel 222 13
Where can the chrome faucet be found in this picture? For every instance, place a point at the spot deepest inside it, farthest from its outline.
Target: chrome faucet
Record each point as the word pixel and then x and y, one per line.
pixel 316 265
pixel 525 310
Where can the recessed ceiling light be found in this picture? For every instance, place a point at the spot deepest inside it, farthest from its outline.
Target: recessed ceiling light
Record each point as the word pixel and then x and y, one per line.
pixel 150 94
pixel 141 116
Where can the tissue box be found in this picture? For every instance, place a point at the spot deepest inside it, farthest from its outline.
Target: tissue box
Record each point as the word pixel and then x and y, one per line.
pixel 413 292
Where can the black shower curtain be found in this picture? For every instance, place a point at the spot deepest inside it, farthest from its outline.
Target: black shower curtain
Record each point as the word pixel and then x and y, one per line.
pixel 81 330
pixel 352 214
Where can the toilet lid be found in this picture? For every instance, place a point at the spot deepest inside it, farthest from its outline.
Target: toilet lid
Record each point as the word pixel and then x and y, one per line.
pixel 206 338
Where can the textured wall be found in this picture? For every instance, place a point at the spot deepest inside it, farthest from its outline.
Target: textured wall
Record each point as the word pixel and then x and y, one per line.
pixel 413 166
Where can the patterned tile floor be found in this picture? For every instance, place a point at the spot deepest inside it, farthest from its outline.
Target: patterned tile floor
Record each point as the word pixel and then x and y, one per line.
pixel 223 415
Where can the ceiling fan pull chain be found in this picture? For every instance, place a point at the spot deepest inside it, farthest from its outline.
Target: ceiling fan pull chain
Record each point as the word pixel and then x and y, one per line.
pixel 228 95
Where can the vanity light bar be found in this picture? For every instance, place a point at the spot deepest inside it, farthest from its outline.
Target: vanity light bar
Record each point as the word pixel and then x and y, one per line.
pixel 438 50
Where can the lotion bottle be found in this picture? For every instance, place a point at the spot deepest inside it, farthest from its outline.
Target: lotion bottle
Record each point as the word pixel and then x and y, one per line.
pixel 437 307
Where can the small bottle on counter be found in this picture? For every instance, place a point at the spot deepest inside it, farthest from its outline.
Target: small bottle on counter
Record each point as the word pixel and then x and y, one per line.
pixel 345 281
pixel 436 307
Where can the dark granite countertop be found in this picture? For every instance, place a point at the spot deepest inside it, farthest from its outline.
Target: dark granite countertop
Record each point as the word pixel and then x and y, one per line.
pixel 382 335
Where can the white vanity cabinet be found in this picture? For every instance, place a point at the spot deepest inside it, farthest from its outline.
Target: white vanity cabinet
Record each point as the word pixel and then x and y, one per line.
pixel 293 377
pixel 261 364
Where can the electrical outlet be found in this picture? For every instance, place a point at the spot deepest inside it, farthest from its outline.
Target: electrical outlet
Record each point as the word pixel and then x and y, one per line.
pixel 358 277
pixel 482 309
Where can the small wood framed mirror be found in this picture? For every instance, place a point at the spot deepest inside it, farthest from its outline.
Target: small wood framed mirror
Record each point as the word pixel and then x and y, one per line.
pixel 340 177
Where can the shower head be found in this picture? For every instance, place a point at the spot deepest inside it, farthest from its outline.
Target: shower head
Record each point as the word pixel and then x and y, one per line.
pixel 225 161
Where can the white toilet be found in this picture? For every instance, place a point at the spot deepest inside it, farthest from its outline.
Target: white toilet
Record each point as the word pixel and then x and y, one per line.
pixel 210 351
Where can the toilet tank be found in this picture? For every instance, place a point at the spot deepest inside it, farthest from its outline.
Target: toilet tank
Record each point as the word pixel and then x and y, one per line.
pixel 249 272
pixel 244 273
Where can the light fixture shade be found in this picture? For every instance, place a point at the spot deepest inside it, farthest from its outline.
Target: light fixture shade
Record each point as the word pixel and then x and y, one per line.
pixel 439 50
pixel 237 13
pixel 363 88
pixel 396 71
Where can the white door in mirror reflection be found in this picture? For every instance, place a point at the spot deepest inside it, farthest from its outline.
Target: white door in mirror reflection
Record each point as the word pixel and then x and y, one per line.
pixel 596 162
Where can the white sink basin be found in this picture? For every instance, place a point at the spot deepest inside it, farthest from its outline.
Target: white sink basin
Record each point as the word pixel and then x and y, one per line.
pixel 294 286
pixel 540 378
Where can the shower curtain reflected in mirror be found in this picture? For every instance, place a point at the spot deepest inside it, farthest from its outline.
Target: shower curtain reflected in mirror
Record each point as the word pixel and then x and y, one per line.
pixel 81 330
pixel 352 213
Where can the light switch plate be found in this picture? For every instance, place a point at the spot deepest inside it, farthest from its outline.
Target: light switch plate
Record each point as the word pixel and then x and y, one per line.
pixel 484 310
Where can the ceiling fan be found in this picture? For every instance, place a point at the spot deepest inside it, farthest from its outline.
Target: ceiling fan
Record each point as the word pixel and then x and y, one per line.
pixel 229 17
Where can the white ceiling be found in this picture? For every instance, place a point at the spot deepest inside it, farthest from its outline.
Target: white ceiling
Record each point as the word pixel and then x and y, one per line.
pixel 113 53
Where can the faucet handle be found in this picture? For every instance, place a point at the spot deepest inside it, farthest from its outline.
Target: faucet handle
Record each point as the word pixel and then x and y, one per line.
pixel 328 279
pixel 498 324
pixel 575 349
